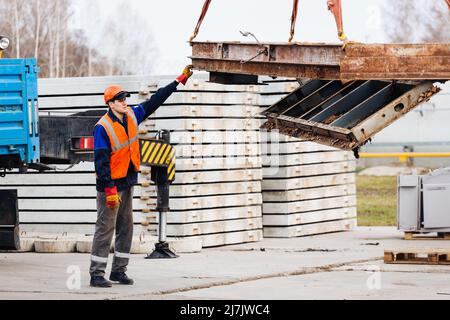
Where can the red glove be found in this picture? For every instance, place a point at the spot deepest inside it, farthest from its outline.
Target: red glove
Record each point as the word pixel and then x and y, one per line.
pixel 187 73
pixel 112 198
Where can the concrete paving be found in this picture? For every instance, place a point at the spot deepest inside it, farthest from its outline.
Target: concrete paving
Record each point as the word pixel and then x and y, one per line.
pixel 344 265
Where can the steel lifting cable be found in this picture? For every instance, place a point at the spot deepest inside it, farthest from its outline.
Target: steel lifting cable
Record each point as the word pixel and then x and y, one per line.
pixel 335 6
pixel 293 19
pixel 200 20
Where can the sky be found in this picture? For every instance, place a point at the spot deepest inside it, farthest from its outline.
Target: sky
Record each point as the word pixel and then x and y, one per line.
pixel 172 22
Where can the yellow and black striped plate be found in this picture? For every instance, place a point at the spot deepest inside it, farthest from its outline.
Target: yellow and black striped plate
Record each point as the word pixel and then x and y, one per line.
pixel 157 153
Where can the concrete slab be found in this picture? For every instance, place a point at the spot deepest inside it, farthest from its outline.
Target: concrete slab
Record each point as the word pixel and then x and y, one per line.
pixel 329 266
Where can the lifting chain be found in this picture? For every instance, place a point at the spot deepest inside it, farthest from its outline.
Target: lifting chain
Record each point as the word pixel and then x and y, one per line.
pixel 334 6
pixel 200 20
pixel 294 19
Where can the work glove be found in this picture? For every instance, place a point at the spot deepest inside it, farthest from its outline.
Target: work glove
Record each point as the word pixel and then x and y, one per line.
pixel 112 198
pixel 187 73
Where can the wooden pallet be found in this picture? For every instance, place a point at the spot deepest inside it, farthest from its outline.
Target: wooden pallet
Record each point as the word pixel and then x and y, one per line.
pixel 417 256
pixel 420 236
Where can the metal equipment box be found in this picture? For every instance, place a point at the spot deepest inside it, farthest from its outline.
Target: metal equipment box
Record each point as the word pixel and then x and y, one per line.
pixel 424 202
pixel 9 220
pixel 19 118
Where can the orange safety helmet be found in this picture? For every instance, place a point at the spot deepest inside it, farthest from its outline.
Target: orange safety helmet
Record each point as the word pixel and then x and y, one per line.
pixel 114 92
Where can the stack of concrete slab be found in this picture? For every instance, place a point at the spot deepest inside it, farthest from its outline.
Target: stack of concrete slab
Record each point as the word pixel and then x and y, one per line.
pixel 308 188
pixel 216 196
pixel 220 184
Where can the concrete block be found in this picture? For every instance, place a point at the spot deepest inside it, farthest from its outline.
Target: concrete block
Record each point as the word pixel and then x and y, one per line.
pixel 84 245
pixel 143 244
pixel 283 184
pixel 217 214
pixel 203 124
pixel 210 202
pixel 225 151
pixel 208 189
pixel 213 227
pixel 206 137
pixel 211 176
pixel 185 245
pixel 309 193
pixel 299 159
pixel 311 170
pixel 222 239
pixel 55 245
pixel 308 205
pixel 286 220
pixel 309 229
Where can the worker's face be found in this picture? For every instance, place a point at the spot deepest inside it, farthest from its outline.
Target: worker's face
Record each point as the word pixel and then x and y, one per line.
pixel 119 106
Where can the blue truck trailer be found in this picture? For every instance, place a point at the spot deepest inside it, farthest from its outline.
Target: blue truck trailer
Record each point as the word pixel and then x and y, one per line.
pixel 19 113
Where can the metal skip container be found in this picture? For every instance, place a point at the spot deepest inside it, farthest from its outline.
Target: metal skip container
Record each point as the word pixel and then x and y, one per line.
pixel 345 115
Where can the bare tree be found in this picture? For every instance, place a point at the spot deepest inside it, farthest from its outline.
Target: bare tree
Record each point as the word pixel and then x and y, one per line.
pixel 38 29
pixel 92 23
pixel 41 29
pixel 57 38
pixel 437 25
pixel 17 30
pixel 130 43
pixel 398 21
pixel 64 52
pixel 407 21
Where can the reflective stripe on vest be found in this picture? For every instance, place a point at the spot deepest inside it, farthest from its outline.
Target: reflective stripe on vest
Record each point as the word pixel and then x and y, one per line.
pixel 133 117
pixel 124 148
pixel 111 133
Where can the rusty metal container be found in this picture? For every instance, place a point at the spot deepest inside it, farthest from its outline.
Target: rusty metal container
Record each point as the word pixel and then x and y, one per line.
pixel 345 115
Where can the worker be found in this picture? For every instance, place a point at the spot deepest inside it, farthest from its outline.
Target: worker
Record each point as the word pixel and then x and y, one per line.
pixel 117 161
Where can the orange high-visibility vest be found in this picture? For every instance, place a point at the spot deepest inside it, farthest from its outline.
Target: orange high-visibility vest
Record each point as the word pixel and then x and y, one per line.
pixel 124 148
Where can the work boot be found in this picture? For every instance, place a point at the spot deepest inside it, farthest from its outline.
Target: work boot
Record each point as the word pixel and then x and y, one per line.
pixel 121 277
pixel 99 281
